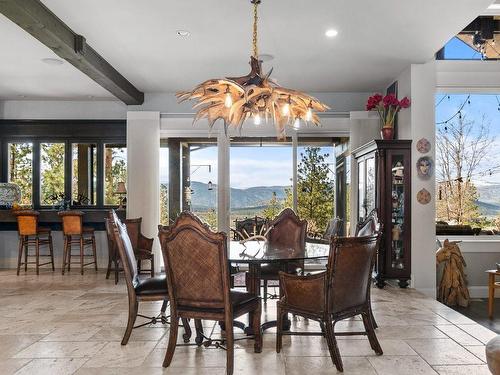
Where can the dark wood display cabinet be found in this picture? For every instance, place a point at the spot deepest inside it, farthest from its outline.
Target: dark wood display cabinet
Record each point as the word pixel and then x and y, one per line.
pixel 384 183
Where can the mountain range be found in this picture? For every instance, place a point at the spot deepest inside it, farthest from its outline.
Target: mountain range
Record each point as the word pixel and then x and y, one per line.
pixel 259 196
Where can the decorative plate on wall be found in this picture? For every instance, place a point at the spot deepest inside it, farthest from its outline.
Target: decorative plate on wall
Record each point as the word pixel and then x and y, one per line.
pixel 424 167
pixel 9 194
pixel 423 145
pixel 423 196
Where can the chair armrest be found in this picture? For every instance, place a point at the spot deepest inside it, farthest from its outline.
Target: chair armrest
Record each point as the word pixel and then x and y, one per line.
pixel 304 292
pixel 145 243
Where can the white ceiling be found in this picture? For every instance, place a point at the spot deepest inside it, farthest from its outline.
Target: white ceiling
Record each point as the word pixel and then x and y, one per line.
pixel 376 41
pixel 24 76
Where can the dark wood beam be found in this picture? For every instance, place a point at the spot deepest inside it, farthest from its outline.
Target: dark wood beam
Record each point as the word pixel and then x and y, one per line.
pixel 34 17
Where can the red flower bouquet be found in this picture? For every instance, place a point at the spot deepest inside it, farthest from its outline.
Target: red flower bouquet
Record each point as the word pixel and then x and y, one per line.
pixel 387 107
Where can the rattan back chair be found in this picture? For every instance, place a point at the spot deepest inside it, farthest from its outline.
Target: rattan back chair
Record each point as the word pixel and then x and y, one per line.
pixel 197 268
pixel 341 292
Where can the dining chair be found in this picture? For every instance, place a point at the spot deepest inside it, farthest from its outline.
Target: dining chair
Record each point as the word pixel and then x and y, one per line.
pixel 143 246
pixel 34 236
pixel 341 292
pixel 287 232
pixel 196 263
pixel 76 234
pixel 148 289
pixel 113 255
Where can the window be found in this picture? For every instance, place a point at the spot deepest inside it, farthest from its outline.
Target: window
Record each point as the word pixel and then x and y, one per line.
pixel 261 178
pixel 20 169
pixel 164 186
pixel 115 172
pixel 467 167
pixel 84 174
pixel 315 184
pixel 201 193
pixel 52 174
pixel 456 49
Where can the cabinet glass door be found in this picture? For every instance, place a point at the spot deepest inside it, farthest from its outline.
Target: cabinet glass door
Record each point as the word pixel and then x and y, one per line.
pixel 361 191
pixel 398 251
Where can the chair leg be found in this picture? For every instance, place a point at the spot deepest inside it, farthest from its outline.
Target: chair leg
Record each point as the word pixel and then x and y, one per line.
pixel 133 307
pixel 51 250
pixel 265 291
pixel 172 340
pixel 94 252
pixel 37 255
pixel 229 346
pixel 65 254
pixel 117 271
pixel 81 254
pixel 372 337
pixel 69 253
pixel 152 265
pixel 187 330
pixel 164 306
pixel 279 329
pixel 332 345
pixel 20 255
pixel 199 332
pixel 110 262
pixel 372 318
pixel 26 248
pixel 257 331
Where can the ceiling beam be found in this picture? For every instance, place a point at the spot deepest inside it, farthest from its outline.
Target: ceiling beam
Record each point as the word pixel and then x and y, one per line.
pixel 35 18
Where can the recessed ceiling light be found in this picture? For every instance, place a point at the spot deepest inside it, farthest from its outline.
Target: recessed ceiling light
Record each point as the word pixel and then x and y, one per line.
pixel 330 33
pixel 183 33
pixel 265 57
pixel 52 61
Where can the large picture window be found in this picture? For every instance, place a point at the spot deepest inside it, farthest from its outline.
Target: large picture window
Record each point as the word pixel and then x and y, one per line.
pixel 84 174
pixel 467 166
pixel 52 173
pixel 20 169
pixel 115 172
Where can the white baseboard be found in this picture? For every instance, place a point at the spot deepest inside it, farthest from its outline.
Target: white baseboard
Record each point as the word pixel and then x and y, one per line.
pixel 480 292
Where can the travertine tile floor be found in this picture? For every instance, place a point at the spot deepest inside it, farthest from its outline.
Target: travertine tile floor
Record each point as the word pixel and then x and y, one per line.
pixel 72 324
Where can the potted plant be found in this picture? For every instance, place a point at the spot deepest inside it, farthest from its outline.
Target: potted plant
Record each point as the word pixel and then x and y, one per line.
pixel 387 108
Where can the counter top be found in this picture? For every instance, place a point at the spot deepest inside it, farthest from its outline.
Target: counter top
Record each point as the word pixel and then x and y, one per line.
pixel 48 218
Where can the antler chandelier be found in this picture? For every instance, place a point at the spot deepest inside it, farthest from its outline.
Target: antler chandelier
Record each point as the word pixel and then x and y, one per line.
pixel 235 99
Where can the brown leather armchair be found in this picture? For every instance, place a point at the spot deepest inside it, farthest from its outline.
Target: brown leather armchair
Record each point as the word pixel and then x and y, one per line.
pixel 138 289
pixel 341 292
pixel 287 232
pixel 197 269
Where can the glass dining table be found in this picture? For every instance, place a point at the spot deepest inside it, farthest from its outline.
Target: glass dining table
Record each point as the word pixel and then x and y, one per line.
pixel 257 253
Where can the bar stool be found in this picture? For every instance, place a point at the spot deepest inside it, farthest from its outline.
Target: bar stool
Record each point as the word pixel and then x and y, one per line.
pixel 30 234
pixel 76 234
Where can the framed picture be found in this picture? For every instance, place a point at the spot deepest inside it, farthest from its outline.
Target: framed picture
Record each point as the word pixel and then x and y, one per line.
pixel 424 167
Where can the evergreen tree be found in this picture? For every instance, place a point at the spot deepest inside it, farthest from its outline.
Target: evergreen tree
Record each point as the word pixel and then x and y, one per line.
pixel 315 189
pixel 52 172
pixel 21 169
pixel 273 207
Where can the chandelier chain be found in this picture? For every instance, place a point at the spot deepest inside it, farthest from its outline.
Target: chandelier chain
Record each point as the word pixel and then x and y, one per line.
pixel 255 31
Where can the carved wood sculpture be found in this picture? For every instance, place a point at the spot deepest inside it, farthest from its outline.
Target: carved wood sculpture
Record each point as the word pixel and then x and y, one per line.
pixel 452 289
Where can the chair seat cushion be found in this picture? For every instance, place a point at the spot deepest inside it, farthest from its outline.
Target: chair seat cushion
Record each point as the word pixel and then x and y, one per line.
pixel 241 298
pixel 151 286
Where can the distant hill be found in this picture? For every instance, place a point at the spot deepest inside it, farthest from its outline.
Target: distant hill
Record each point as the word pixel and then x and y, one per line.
pixel 489 199
pixel 253 197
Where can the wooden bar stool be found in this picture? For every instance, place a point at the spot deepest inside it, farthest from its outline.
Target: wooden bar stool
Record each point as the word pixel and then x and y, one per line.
pixel 76 234
pixel 30 234
pixel 492 285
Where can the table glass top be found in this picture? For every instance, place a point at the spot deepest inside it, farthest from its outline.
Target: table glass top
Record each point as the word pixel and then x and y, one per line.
pixel 259 251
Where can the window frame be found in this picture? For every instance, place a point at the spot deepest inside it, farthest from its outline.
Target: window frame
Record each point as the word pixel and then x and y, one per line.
pixel 69 132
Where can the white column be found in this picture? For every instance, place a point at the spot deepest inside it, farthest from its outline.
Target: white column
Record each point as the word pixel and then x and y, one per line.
pixel 143 173
pixel 223 184
pixel 423 225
